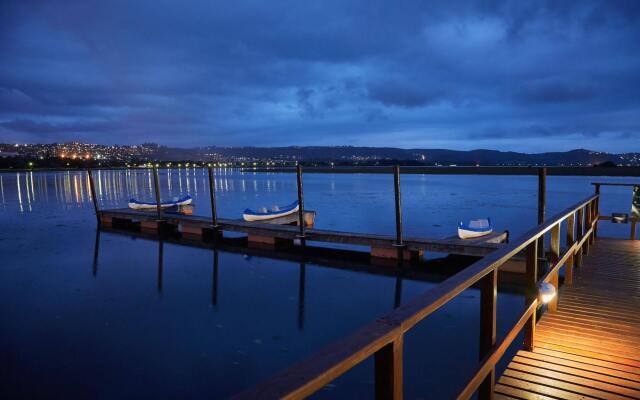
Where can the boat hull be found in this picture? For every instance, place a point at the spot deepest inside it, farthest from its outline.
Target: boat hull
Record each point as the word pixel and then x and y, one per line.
pixel 467 234
pixel 153 206
pixel 258 217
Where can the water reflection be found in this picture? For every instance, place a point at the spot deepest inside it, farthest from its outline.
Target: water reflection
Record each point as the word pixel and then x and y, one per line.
pixel 214 280
pixel 160 265
pixel 302 272
pixel 301 286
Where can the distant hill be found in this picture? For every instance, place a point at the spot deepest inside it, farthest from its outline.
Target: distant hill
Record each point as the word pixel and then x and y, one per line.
pixel 369 155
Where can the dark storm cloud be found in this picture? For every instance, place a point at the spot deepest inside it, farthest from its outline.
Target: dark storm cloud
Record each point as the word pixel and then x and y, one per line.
pixel 508 74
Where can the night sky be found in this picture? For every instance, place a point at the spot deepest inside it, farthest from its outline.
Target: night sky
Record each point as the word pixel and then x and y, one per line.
pixel 525 76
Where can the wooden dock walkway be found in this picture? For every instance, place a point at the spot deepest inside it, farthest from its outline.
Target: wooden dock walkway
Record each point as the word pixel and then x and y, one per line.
pixel 382 245
pixel 590 347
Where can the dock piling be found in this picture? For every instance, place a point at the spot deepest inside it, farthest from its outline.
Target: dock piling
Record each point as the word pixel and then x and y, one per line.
pixel 542 204
pixel 156 184
pixel 212 198
pixel 93 196
pixel 396 187
pixel 300 204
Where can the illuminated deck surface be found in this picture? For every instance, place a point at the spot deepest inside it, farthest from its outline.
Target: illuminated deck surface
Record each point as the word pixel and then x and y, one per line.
pixel 590 348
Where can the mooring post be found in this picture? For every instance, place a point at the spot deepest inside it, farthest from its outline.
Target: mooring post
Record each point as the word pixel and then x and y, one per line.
pixel 542 203
pixel 156 184
pixel 396 187
pixel 93 196
pixel 300 204
pixel 212 198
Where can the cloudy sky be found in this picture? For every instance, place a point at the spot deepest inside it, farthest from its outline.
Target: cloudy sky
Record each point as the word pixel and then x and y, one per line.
pixel 522 75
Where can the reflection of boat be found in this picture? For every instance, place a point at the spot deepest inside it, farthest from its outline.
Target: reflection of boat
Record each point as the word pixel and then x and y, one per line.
pixel 176 201
pixel 275 212
pixel 475 228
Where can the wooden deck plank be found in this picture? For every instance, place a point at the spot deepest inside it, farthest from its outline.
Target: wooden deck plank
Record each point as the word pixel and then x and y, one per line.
pixel 590 347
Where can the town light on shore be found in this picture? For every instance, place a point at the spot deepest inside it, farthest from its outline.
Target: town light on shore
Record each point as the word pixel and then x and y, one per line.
pixel 546 292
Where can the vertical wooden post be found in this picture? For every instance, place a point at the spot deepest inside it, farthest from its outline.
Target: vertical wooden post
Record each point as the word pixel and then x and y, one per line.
pixel 587 225
pixel 596 211
pixel 488 300
pixel 571 239
pixel 580 235
pixel 633 229
pixel 300 204
pixel 156 184
pixel 92 188
pixel 531 277
pixel 554 258
pixel 542 204
pixel 388 371
pixel 212 199
pixel 396 187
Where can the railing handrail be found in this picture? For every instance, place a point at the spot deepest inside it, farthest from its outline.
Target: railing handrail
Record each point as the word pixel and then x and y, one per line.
pixel 615 184
pixel 310 375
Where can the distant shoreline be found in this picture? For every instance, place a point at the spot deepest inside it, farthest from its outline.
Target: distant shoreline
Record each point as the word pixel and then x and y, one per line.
pixel 465 170
pixel 462 170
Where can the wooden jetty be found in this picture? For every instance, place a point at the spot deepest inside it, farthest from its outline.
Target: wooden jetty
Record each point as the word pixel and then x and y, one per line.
pixel 282 234
pixel 585 345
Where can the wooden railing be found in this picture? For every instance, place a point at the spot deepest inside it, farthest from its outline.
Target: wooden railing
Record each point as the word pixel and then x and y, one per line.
pixel 383 338
pixel 633 220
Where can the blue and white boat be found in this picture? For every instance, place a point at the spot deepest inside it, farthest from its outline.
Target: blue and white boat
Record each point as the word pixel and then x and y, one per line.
pixel 176 201
pixel 274 212
pixel 475 228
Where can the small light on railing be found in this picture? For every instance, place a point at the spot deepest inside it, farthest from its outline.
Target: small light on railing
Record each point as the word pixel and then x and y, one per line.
pixel 546 292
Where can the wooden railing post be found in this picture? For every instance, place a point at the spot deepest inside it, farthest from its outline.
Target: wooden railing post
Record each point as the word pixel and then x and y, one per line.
pixel 596 211
pixel 488 300
pixel 388 371
pixel 156 184
pixel 300 205
pixel 212 199
pixel 587 225
pixel 580 235
pixel 632 235
pixel 92 189
pixel 531 277
pixel 553 259
pixel 542 204
pixel 571 239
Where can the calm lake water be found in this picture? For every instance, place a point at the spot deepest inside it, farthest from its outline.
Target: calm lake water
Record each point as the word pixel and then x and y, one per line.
pixel 106 315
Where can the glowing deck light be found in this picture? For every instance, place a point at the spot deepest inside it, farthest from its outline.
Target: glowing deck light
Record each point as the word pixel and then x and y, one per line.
pixel 546 292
